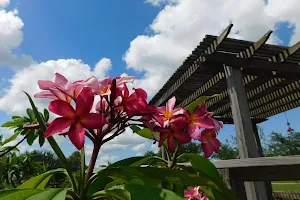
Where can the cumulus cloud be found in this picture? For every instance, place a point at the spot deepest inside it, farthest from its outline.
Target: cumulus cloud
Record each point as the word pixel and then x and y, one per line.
pixel 14 102
pixel 4 3
pixel 11 36
pixel 102 67
pixel 182 24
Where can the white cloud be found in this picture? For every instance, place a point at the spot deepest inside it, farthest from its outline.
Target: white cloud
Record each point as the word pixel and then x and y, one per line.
pixel 102 67
pixel 104 159
pixel 15 102
pixel 4 3
pixel 182 24
pixel 11 36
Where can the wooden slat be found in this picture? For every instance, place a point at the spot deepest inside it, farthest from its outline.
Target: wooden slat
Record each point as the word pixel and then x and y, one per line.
pixel 286 54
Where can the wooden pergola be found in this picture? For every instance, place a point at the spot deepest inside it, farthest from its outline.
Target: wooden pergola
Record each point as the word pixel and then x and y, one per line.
pixel 253 81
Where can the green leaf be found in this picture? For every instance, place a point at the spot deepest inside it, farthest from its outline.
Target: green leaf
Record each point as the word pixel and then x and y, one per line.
pixel 126 162
pixel 33 194
pixel 18 194
pixel 117 193
pixel 154 176
pixel 46 115
pixel 139 192
pixel 192 106
pixel 10 124
pixel 16 117
pixel 203 166
pixel 11 138
pixel 53 144
pixel 102 182
pixel 30 114
pixel 31 137
pixel 146 133
pixel 51 194
pixel 38 181
pixel 41 138
pixel 147 160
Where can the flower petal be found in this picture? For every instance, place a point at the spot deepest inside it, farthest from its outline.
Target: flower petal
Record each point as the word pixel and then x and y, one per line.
pixel 207 149
pixel 125 79
pixel 60 79
pixel 60 95
pixel 45 84
pixel 84 101
pixel 141 93
pixel 171 143
pixel 194 131
pixel 45 94
pixel 164 134
pixel 170 105
pixel 93 83
pixel 178 123
pixel 204 122
pixel 61 108
pixel 92 120
pixel 178 111
pixel 76 135
pixel 182 137
pixel 57 125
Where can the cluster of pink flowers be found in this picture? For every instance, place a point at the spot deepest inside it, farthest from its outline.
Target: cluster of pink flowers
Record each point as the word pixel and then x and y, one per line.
pixel 195 193
pixel 117 109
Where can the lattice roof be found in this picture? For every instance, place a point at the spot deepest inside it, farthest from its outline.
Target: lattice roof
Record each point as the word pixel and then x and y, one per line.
pixel 271 76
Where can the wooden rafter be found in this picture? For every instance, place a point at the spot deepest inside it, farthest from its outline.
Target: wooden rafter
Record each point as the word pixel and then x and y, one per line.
pixel 197 63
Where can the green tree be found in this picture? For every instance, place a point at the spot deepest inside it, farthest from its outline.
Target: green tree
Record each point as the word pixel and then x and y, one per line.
pixel 283 144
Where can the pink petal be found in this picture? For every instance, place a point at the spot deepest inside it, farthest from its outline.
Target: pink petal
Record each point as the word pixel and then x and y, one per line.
pixel 141 93
pixel 159 119
pixel 171 143
pixel 178 111
pixel 207 149
pixel 45 94
pixel 161 109
pixel 76 135
pixel 216 145
pixel 125 79
pixel 72 90
pixel 84 101
pixel 92 120
pixel 93 83
pixel 45 85
pixel 202 109
pixel 164 134
pixel 60 95
pixel 170 104
pixel 178 123
pixel 60 79
pixel 194 131
pixel 182 137
pixel 57 125
pixel 61 108
pixel 205 122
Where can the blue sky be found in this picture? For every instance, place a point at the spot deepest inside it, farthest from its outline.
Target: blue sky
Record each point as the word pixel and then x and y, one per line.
pixel 146 39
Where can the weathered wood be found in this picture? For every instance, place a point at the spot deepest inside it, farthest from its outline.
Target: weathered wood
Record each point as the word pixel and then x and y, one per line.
pixel 245 134
pixel 258 162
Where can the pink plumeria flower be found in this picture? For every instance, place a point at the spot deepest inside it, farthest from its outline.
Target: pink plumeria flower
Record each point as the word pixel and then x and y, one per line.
pixel 103 86
pixel 195 193
pixel 175 131
pixel 77 119
pixel 209 142
pixel 168 111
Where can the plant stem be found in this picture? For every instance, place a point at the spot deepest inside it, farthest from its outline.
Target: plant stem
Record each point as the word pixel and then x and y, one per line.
pixel 174 159
pixel 63 161
pixel 82 172
pixel 11 148
pixel 92 161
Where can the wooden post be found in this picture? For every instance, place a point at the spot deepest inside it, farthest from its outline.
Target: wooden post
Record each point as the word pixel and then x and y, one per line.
pixel 267 184
pixel 244 130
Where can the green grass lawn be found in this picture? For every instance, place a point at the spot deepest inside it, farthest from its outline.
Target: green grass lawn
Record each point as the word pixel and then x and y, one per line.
pixel 286 186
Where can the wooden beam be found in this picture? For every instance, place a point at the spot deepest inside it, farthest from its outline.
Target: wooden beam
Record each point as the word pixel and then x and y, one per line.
pixel 245 134
pixel 286 54
pixel 209 51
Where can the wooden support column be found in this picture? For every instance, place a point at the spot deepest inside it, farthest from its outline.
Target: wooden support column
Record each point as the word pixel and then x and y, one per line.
pixel 244 130
pixel 267 184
